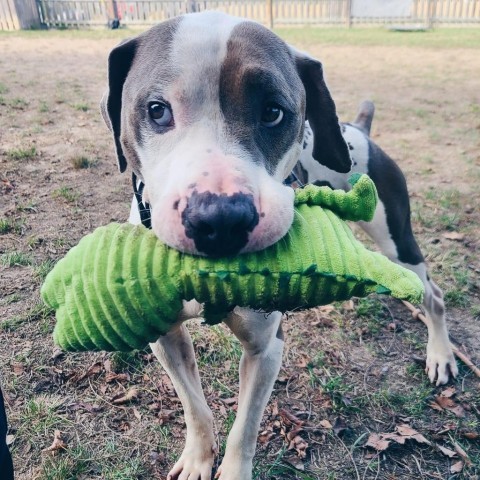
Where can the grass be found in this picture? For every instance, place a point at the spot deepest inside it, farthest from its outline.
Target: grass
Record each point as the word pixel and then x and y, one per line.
pixel 440 38
pixel 81 107
pixel 42 269
pixel 16 259
pixel 22 153
pixel 82 162
pixel 67 193
pixel 39 312
pixel 10 225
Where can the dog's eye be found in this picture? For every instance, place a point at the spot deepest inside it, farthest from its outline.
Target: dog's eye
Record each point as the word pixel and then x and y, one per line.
pixel 272 115
pixel 160 113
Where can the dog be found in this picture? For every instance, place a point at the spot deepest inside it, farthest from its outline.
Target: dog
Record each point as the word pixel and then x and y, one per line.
pixel 212 113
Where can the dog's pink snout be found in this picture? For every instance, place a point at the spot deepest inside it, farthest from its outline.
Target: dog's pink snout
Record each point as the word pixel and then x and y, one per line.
pixel 219 225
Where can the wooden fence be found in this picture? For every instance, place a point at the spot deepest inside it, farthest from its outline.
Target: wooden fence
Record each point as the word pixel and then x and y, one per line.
pixel 19 14
pixel 15 14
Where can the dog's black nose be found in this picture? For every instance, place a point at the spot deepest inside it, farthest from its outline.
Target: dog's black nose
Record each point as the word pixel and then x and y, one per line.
pixel 219 224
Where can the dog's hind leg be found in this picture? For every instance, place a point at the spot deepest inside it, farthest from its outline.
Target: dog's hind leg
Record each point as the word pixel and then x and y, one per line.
pixel 403 249
pixel 175 353
pixel 262 340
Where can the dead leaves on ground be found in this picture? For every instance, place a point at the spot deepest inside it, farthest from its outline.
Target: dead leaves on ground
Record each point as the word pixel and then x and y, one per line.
pixel 445 401
pixel 382 441
pixel 402 433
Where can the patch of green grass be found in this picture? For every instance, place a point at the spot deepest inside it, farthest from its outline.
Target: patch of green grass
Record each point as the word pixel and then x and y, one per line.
pixel 9 225
pixel 82 162
pixel 22 153
pixel 16 259
pixel 38 419
pixel 475 311
pixel 82 107
pixel 456 297
pixel 69 465
pixel 411 402
pixel 27 207
pixel 18 103
pixel 127 361
pixel 222 348
pixel 126 469
pixel 442 38
pixel 338 391
pixel 38 312
pixel 43 107
pixel 42 269
pixel 3 88
pixel 13 298
pixel 67 194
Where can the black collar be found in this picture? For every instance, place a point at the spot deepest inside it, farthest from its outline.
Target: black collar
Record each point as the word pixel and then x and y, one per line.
pixel 143 208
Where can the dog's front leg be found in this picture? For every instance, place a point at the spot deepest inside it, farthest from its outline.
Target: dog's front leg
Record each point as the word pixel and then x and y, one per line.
pixel 262 340
pixel 175 353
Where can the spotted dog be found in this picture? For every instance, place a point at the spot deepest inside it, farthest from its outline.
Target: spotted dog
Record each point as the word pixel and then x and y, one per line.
pixel 209 112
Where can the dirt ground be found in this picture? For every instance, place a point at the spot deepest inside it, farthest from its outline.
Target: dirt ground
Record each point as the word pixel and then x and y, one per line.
pixel 349 371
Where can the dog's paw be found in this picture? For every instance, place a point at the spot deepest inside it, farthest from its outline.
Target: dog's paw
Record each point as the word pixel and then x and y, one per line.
pixel 193 465
pixel 233 471
pixel 441 364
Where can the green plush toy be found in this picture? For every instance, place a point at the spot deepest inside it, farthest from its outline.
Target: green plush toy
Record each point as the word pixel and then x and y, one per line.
pixel 121 287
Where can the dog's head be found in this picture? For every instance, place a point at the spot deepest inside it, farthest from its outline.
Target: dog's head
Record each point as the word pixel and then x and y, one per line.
pixel 209 111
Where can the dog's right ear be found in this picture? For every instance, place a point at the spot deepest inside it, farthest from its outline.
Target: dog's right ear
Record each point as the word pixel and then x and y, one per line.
pixel 119 63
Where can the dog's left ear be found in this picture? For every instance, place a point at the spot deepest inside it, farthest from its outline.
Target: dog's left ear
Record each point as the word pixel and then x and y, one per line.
pixel 329 146
pixel 119 63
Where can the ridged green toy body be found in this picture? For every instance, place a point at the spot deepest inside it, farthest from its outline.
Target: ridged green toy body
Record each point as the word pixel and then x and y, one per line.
pixel 121 288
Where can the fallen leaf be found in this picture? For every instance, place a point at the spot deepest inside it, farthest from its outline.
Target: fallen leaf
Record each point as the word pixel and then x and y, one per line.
pixel 456 467
pixel 471 435
pixel 289 418
pixel 121 398
pixel 265 436
pixel 450 405
pixel 57 444
pixel 18 368
pixel 409 432
pixel 448 392
pixel 446 451
pixel 462 453
pixel 325 424
pixel 119 377
pixel 10 439
pixel 377 442
pixel 137 414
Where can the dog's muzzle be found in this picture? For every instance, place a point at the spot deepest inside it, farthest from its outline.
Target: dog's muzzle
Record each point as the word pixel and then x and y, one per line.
pixel 219 225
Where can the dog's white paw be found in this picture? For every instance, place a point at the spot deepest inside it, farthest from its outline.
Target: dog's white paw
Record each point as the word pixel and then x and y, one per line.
pixel 440 362
pixel 231 470
pixel 193 464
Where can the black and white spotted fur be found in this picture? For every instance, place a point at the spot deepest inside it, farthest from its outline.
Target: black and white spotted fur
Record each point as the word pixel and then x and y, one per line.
pixel 391 227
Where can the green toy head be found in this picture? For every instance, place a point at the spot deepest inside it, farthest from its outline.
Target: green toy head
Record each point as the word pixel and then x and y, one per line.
pixel 121 287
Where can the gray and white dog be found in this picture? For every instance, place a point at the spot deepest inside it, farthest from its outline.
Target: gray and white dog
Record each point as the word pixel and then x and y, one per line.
pixel 210 113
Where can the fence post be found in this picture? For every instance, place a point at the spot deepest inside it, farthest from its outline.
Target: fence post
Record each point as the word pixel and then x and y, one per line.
pixel 349 13
pixel 112 9
pixel 270 14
